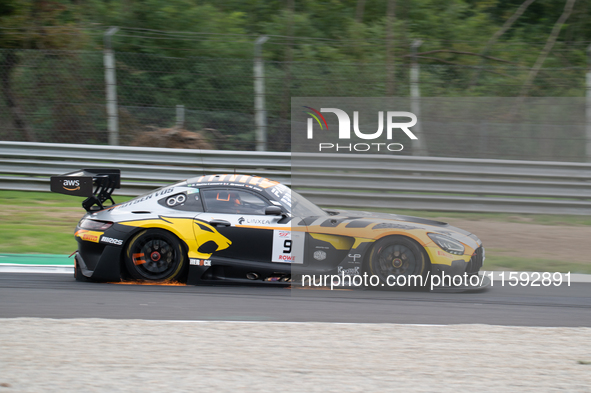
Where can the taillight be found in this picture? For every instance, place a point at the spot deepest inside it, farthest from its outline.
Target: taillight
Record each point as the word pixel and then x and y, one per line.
pixel 96 225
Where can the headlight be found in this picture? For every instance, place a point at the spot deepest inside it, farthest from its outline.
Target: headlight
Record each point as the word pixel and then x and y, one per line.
pixel 87 223
pixel 447 244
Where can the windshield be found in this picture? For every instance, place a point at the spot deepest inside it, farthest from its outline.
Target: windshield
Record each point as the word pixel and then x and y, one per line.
pixel 296 204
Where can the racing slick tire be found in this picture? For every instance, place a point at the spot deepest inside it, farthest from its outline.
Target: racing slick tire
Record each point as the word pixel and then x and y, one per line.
pixel 399 256
pixel 155 255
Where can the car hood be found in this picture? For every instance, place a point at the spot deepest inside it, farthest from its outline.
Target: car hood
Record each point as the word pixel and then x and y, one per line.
pixel 429 225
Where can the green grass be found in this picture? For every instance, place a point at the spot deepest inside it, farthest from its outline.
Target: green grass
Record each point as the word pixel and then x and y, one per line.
pixel 43 223
pixel 25 198
pixel 496 262
pixel 39 222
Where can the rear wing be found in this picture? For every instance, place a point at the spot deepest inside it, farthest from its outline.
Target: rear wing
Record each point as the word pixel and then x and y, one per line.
pixel 95 184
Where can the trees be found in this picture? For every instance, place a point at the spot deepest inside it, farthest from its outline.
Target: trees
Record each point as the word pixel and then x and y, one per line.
pixel 31 24
pixel 199 54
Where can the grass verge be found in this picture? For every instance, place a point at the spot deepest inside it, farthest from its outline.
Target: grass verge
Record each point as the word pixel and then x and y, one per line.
pixel 43 223
pixel 496 262
pixel 39 222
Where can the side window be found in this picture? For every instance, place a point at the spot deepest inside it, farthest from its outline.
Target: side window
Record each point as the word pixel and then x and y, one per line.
pixel 183 201
pixel 234 202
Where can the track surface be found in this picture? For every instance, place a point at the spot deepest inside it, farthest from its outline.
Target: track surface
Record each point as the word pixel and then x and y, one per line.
pixel 60 296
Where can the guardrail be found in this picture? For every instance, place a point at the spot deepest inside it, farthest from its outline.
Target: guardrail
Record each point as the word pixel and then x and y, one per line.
pixel 338 180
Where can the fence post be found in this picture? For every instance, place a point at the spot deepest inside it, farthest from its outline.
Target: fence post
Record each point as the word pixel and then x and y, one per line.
pixel 111 84
pixel 418 145
pixel 180 116
pixel 260 116
pixel 588 106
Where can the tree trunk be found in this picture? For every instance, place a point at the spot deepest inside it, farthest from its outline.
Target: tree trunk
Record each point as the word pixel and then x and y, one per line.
pixel 390 58
pixel 496 36
pixel 568 7
pixel 360 11
pixel 8 64
pixel 285 134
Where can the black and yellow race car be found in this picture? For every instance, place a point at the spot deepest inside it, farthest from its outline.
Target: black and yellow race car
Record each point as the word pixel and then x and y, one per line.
pixel 249 229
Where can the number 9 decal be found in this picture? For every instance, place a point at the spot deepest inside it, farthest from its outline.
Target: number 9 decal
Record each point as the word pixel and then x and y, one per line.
pixel 287 247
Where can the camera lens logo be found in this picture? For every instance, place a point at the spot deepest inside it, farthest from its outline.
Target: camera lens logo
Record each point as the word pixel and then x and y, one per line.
pixel 176 200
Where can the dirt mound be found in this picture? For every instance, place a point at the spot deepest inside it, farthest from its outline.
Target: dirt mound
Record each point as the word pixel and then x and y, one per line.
pixel 177 138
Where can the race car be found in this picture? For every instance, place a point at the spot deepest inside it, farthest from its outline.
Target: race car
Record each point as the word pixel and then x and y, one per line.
pixel 249 229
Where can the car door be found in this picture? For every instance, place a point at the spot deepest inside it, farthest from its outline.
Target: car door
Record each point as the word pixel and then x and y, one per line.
pixel 239 215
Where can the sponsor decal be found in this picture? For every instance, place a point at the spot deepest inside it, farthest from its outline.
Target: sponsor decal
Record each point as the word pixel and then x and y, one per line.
pixel 200 237
pixel 344 129
pixel 390 225
pixel 176 200
pixel 110 240
pixel 148 197
pixel 233 180
pixel 282 193
pixel 355 257
pixel 89 236
pixel 253 221
pixel 200 262
pixel 319 255
pixel 71 185
pixel 348 271
pixel 288 246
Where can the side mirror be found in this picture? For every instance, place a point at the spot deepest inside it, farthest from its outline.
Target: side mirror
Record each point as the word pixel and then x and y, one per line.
pixel 273 211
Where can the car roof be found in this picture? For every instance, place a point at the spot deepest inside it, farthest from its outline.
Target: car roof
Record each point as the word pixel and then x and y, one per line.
pixel 231 180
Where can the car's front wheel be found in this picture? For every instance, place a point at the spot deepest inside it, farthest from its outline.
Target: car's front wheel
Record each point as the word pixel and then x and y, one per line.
pixel 399 263
pixel 155 255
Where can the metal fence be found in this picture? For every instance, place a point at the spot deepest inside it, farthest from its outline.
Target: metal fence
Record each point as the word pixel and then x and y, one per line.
pixel 59 96
pixel 336 180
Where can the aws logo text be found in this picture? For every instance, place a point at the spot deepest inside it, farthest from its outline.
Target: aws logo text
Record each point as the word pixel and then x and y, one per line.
pixel 344 131
pixel 71 185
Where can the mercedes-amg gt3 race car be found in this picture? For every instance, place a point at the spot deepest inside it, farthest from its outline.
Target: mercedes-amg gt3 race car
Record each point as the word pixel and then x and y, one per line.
pixel 249 229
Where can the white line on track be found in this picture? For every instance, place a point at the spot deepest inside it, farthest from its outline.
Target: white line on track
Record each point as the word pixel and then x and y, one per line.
pixel 61 269
pixel 16 268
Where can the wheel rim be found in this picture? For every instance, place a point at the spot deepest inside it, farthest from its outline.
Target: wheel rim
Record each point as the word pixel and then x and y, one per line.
pixel 154 257
pixel 396 260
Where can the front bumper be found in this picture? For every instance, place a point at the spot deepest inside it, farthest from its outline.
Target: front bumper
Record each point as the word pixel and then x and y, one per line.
pixel 442 262
pixel 104 267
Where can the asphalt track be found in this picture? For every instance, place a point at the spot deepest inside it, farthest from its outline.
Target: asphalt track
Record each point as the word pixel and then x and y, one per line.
pixel 60 296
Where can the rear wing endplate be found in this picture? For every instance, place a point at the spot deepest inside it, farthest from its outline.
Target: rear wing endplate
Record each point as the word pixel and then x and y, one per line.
pixel 95 184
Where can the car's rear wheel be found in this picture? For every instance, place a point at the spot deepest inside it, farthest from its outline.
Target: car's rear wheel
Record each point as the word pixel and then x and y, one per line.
pixel 155 255
pixel 399 263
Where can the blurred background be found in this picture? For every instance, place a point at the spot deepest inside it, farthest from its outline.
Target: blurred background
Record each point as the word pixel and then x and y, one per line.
pixel 180 73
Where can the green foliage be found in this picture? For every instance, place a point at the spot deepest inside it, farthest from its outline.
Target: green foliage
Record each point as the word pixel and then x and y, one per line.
pixel 39 24
pixel 172 52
